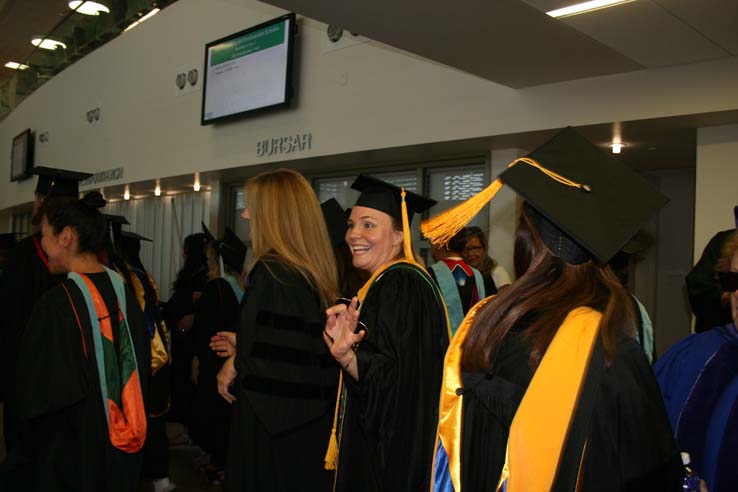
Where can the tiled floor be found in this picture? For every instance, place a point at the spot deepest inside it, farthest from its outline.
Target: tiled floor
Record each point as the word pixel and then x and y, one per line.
pixel 183 472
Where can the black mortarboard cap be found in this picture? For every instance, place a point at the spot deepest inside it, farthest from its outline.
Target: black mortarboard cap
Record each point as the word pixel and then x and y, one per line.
pixel 208 235
pixel 335 220
pixel 130 235
pixel 56 182
pixel 232 250
pixel 115 222
pixel 386 197
pixel 575 222
pixel 130 246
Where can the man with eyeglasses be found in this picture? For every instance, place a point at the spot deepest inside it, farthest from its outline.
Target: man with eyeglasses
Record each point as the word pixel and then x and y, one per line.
pixel 475 254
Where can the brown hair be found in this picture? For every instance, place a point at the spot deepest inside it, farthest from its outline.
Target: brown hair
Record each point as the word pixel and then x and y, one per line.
pixel 287 225
pixel 542 297
pixel 730 248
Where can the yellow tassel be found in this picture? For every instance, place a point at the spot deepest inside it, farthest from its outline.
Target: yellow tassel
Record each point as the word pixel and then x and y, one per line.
pixel 441 228
pixel 406 243
pixel 331 454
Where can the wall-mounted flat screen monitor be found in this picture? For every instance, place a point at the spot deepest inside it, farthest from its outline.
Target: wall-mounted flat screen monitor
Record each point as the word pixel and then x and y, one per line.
pixel 248 71
pixel 21 156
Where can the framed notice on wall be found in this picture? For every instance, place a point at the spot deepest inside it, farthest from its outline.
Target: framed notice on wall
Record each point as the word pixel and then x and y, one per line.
pixel 21 156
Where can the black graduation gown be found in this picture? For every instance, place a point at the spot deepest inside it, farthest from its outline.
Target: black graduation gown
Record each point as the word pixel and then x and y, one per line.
pixel 217 310
pixel 704 289
pixel 388 435
pixel 286 387
pixel 24 280
pixel 59 396
pixel 630 445
pixel 179 305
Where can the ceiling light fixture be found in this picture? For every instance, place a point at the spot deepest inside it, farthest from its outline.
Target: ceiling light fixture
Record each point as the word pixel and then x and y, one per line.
pixel 152 13
pixel 47 43
pixel 88 8
pixel 16 65
pixel 127 194
pixel 157 189
pixel 617 147
pixel 581 8
pixel 196 186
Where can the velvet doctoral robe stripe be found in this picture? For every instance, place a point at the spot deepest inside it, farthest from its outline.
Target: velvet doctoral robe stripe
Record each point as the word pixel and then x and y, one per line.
pixel 282 361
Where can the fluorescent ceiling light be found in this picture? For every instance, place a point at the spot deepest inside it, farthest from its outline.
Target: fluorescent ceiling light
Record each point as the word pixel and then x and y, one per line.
pixel 88 8
pixel 152 13
pixel 583 7
pixel 16 66
pixel 47 43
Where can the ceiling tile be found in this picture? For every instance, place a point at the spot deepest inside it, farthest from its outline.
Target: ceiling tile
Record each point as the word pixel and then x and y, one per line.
pixel 647 33
pixel 717 20
pixel 505 41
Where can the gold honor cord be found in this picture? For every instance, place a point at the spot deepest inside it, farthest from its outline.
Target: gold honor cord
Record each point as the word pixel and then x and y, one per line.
pixel 444 226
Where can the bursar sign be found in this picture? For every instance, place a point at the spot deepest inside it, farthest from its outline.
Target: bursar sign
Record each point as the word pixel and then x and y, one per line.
pixel 284 145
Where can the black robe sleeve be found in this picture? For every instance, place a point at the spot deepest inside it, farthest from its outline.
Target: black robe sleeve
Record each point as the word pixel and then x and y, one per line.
pixel 631 446
pixel 389 429
pixel 285 371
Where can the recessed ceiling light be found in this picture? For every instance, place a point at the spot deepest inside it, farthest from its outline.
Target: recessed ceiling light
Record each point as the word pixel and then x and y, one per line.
pixel 88 8
pixel 617 147
pixel 127 193
pixel 47 43
pixel 583 7
pixel 16 66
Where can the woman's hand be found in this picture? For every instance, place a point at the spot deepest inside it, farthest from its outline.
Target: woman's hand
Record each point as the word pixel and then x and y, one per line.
pixel 226 376
pixel 340 337
pixel 223 343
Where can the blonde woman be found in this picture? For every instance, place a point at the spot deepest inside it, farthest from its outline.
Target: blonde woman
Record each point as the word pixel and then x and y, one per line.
pixel 282 379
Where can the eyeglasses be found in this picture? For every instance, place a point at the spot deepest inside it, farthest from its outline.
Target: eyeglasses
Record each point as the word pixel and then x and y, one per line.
pixel 728 281
pixel 473 249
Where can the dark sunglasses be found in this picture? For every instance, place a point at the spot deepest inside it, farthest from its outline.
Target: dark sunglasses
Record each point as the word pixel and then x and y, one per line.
pixel 728 281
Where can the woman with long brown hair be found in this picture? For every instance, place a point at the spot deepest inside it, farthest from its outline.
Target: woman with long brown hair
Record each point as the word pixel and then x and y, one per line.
pixel 283 378
pixel 545 386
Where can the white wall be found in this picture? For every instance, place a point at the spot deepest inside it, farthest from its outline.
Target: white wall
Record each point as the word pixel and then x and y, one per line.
pixel 716 184
pixel 364 97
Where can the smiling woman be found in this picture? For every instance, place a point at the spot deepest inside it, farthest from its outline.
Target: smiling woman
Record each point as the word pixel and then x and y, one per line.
pixel 392 378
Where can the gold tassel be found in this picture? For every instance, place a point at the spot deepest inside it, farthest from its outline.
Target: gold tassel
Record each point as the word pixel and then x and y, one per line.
pixel 406 243
pixel 331 454
pixel 441 228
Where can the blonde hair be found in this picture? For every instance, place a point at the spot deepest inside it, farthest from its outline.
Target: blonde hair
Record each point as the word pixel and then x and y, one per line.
pixel 287 223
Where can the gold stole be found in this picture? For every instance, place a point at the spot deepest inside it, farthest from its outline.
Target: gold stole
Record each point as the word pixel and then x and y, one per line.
pixel 541 423
pixel 449 415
